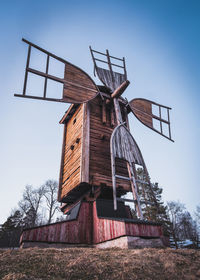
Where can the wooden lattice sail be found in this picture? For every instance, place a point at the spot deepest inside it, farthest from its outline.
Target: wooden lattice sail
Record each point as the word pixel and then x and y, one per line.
pixel 111 79
pixel 78 86
pixel 142 109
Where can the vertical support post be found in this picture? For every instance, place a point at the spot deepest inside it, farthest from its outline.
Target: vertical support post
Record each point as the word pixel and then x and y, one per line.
pixel 169 124
pixel 103 111
pixel 112 116
pixel 137 206
pixel 124 64
pixel 134 190
pixel 111 71
pixel 62 162
pixel 113 178
pixel 27 66
pixel 117 111
pixel 85 144
pixel 126 117
pixel 45 82
pixel 95 65
pixel 115 100
pixel 160 118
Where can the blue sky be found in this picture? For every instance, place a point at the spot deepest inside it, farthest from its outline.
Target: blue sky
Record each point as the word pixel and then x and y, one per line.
pixel 160 41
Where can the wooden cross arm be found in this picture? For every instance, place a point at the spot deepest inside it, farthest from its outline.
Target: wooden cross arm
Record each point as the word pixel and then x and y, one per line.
pixel 120 89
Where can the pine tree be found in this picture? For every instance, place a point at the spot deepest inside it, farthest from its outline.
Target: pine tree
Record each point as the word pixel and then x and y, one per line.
pixel 153 207
pixel 11 230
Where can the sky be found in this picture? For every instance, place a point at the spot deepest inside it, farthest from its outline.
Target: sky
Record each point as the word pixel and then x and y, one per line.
pixel 160 41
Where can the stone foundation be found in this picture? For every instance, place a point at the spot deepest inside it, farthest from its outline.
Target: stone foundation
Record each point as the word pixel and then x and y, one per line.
pixel 130 242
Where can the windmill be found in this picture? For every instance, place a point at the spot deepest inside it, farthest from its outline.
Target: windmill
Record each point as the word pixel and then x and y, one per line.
pixel 99 155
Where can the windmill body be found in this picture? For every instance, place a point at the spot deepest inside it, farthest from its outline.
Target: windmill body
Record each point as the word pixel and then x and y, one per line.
pixel 99 159
pixel 86 162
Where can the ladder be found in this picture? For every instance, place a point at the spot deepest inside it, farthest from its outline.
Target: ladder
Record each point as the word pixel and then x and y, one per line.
pixel 134 189
pixel 123 146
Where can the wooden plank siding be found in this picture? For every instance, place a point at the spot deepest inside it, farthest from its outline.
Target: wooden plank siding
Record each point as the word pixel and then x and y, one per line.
pixel 71 175
pixel 100 133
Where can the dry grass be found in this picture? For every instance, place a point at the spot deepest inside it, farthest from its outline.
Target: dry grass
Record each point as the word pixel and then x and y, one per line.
pixel 75 263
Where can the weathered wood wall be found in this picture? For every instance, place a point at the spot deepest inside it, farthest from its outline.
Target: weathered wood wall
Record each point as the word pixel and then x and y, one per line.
pixel 86 148
pixel 71 175
pixel 74 231
pixel 100 133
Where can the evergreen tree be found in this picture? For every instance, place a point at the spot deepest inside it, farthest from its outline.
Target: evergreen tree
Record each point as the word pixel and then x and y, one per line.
pixel 153 207
pixel 11 230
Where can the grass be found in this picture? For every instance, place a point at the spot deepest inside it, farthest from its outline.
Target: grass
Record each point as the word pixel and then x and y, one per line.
pixel 87 263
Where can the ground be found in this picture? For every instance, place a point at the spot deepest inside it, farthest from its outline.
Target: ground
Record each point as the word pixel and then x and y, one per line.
pixel 87 263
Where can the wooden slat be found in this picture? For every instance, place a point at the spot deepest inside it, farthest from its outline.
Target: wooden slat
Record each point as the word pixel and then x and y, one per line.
pixel 85 150
pixel 103 111
pixel 78 86
pixel 142 109
pixel 62 163
pixel 100 163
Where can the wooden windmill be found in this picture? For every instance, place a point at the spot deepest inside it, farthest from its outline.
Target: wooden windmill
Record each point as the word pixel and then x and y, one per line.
pixel 99 154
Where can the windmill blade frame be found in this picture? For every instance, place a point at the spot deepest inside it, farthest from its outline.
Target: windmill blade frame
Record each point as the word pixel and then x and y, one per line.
pixel 142 110
pixel 73 91
pixel 111 79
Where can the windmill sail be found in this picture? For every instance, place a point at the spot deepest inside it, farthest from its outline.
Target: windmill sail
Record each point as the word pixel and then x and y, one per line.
pixel 143 110
pixel 106 78
pixel 78 86
pixel 123 146
pixel 111 79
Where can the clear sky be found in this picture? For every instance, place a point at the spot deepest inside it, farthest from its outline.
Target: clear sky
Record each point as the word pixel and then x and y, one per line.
pixel 161 43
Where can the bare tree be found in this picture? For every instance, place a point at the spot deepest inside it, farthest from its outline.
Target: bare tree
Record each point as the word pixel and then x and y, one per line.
pixel 30 203
pixel 197 219
pixel 50 193
pixel 197 214
pixel 175 211
pixel 188 229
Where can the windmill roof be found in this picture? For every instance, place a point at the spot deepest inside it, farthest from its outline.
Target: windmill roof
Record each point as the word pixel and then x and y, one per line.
pixel 68 113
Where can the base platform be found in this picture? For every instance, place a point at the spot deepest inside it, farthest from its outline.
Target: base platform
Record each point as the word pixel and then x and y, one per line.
pixel 96 224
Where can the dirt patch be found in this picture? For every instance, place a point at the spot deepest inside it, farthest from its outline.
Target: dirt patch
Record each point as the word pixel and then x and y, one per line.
pixel 87 263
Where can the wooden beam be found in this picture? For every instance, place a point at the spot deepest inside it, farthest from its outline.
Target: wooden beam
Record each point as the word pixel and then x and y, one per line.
pixel 117 111
pixel 104 111
pixel 45 83
pixel 62 162
pixel 26 73
pixel 85 154
pixel 112 116
pixel 110 68
pixel 120 89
